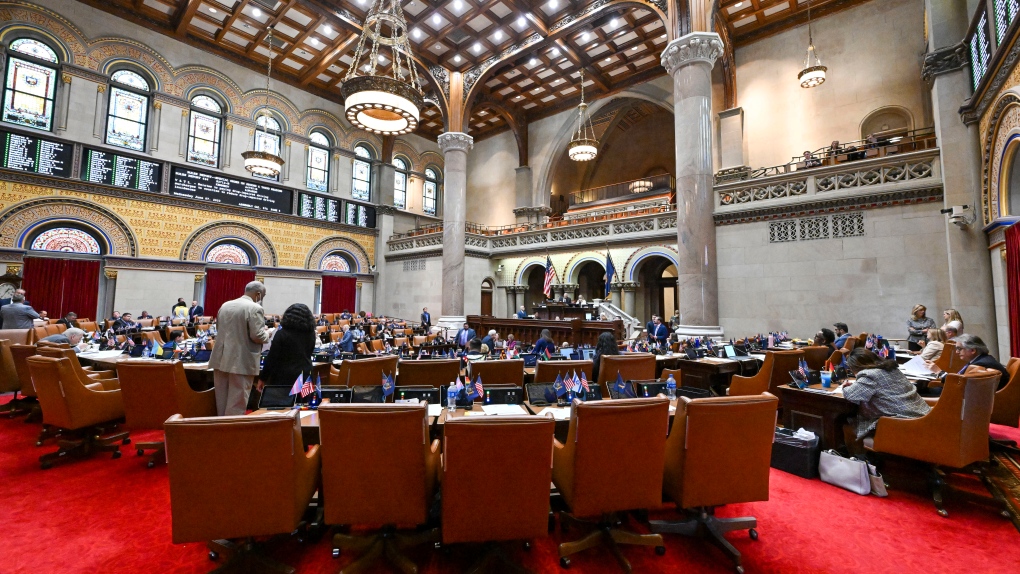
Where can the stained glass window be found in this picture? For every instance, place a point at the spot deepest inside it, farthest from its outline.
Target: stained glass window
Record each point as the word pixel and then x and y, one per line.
pixel 227 253
pixel 429 192
pixel 400 183
pixel 127 119
pixel 30 88
pixel 318 163
pixel 66 240
pixel 204 132
pixel 129 78
pixel 334 262
pixel 362 180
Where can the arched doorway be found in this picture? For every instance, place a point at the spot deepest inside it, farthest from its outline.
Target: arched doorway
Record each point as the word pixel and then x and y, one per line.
pixel 591 281
pixel 657 294
pixel 487 297
pixel 62 268
pixel 536 282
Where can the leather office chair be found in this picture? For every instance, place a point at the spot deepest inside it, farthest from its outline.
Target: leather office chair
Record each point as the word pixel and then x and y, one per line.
pixel 418 341
pixel 20 354
pixel 10 382
pixel 946 358
pixel 367 371
pixel 238 477
pixel 401 457
pixel 399 341
pixel 1006 410
pixel 377 345
pixel 153 391
pixel 361 348
pixel 18 336
pixel 774 372
pixel 837 356
pixel 594 484
pixel 951 437
pixel 431 372
pixel 153 336
pixel 69 354
pixel 320 329
pixel 632 367
pixel 676 376
pixel 504 372
pixel 520 465
pixel 546 371
pixel 85 415
pixel 718 452
pixel 60 327
pixel 39 333
pixel 849 344
pixel 87 326
pixel 816 357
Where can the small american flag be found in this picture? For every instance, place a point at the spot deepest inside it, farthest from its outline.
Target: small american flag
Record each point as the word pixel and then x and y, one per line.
pixel 307 388
pixel 550 274
pixel 584 382
pixel 801 369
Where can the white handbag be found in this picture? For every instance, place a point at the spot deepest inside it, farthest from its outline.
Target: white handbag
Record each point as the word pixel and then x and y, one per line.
pixel 849 473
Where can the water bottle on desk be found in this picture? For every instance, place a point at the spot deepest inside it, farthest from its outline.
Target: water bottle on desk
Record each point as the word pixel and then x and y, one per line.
pixel 451 399
pixel 671 388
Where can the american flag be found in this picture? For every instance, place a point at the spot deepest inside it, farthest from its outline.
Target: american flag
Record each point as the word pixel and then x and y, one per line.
pixel 801 368
pixel 478 386
pixel 550 274
pixel 584 382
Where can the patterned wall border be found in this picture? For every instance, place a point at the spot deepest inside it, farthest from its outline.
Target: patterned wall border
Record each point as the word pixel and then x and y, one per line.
pixel 331 244
pixel 17 220
pixel 201 239
pixel 574 265
pixel 645 252
pixel 1004 118
pixel 873 201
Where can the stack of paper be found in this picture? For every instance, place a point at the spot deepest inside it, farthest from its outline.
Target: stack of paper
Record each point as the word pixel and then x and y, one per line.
pixel 504 410
pixel 916 367
pixel 560 414
pixel 435 410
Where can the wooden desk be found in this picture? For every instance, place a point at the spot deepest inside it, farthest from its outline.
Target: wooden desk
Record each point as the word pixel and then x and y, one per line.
pixel 714 374
pixel 574 331
pixel 822 413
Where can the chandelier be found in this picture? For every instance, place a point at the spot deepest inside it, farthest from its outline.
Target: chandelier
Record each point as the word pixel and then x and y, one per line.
pixel 379 103
pixel 583 146
pixel 813 73
pixel 262 162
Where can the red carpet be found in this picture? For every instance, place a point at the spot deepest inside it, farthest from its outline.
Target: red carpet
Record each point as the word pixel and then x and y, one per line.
pixel 113 516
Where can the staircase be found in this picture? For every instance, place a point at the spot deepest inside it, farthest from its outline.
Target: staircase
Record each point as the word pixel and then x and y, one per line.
pixel 632 328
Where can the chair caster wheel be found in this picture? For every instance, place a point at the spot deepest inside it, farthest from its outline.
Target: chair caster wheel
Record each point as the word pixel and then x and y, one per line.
pixel 942 512
pixel 753 533
pixel 152 464
pixel 527 547
pixel 336 553
pixel 213 555
pixel 564 563
pixel 45 466
pixel 140 452
pixel 660 550
pixel 116 454
pixel 38 443
pixel 1004 513
pixel 126 441
pixel 740 569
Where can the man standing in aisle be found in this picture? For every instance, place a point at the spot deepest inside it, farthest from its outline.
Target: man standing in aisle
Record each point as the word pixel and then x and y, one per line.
pixel 426 319
pixel 18 315
pixel 240 333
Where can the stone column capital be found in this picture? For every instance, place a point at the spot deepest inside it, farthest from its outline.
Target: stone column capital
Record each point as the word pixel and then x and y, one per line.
pixel 703 47
pixel 459 141
pixel 630 285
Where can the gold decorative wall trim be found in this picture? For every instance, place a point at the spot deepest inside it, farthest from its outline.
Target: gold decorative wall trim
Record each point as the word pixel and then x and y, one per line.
pixel 196 245
pixel 17 221
pixel 331 244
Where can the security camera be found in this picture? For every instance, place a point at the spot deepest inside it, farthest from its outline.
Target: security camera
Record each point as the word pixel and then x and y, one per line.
pixel 371 268
pixel 960 215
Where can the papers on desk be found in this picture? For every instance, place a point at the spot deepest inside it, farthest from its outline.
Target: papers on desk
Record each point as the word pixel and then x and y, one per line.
pixel 560 414
pixel 916 367
pixel 504 410
pixel 101 355
pixel 435 410
pixel 307 413
pixel 760 357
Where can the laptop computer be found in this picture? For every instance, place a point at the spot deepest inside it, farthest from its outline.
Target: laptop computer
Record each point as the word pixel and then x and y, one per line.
pixel 588 354
pixel 276 397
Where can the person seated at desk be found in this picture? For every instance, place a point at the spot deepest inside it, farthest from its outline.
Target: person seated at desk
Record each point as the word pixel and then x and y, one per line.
pixel 934 345
pixel 880 390
pixel 605 345
pixel 834 148
pixel 490 339
pixel 810 160
pixel 476 351
pixel 581 301
pixel 176 342
pixel 544 344
pixel 145 315
pixel 825 338
pixel 44 315
pixel 972 351
pixel 842 334
pixel 951 332
pixel 69 320
pixel 124 323
pixel 521 313
pixel 346 341
pixel 72 336
pixel 345 315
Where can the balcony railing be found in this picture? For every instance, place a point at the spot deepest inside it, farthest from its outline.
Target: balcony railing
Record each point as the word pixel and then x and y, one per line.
pixel 839 153
pixel 638 188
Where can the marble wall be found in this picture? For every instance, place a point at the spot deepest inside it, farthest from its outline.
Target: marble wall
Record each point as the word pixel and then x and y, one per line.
pixel 135 292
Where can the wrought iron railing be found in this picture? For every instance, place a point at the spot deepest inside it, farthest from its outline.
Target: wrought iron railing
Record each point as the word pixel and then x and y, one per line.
pixel 643 187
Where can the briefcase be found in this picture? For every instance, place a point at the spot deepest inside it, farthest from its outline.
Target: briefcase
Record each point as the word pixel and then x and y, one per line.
pixel 795 456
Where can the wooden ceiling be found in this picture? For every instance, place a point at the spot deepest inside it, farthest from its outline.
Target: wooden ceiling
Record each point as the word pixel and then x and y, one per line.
pixel 317 41
pixel 751 20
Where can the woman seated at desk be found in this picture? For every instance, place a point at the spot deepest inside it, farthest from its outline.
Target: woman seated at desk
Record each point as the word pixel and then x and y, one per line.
pixel 934 345
pixel 880 390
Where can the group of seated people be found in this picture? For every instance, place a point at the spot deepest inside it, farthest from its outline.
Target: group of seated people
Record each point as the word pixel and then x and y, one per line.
pixel 852 152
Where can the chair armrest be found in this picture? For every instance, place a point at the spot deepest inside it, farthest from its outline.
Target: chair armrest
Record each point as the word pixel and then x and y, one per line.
pixel 102 374
pixel 94 386
pixel 306 477
pixel 110 384
pixel 563 469
pixel 431 467
pixel 932 401
pixel 197 404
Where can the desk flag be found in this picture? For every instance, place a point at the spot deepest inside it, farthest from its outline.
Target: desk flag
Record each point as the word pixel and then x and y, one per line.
pixel 576 384
pixel 625 391
pixel 387 385
pixel 298 384
pixel 548 355
pixel 474 390
pixel 558 386
pixel 584 382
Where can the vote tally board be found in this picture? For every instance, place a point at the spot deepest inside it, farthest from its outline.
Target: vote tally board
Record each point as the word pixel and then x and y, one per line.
pixel 36 155
pixel 205 186
pixel 107 168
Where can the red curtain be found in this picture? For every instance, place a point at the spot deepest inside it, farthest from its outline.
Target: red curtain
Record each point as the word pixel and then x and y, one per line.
pixel 1013 287
pixel 222 285
pixel 339 293
pixel 61 285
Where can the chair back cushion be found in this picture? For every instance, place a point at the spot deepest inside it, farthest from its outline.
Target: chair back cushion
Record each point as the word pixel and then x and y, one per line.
pixel 816 357
pixel 20 354
pixel 946 358
pixel 502 372
pixel 66 353
pixel 368 449
pixel 499 493
pixel 719 450
pixel 613 457
pixel 368 371
pixel 9 381
pixel 546 371
pixel 39 333
pixel 632 367
pixel 1006 410
pixel 18 336
pixel 430 372
pixel 149 389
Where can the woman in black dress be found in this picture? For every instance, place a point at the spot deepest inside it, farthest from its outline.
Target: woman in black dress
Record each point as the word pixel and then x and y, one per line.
pixel 290 353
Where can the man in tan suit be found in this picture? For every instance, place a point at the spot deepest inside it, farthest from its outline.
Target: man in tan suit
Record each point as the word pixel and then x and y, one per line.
pixel 240 333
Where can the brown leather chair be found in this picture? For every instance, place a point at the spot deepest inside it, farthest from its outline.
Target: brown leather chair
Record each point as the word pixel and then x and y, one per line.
pixel 816 357
pixel 53 329
pixel 85 415
pixel 20 354
pixel 521 465
pixel 594 484
pixel 400 457
pixel 632 367
pixel 18 336
pixel 10 382
pixel 1006 410
pixel 69 354
pixel 362 348
pixel 719 452
pixel 320 329
pixel 502 372
pixel 430 372
pixel 837 356
pixel 774 372
pixel 676 375
pixel 366 371
pixel 60 327
pixel 418 341
pixel 546 371
pixel 39 333
pixel 153 336
pixel 87 326
pixel 953 435
pixel 223 487
pixel 849 344
pixel 153 391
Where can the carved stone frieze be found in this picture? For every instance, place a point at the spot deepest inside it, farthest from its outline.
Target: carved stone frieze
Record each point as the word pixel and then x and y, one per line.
pixel 455 141
pixel 944 60
pixel 822 206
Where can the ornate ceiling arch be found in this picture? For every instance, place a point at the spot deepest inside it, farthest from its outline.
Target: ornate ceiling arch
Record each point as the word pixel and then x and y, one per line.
pixel 200 240
pixel 19 220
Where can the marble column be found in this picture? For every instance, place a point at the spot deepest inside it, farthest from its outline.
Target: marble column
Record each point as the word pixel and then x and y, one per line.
pixel 689 61
pixel 629 289
pixel 616 292
pixel 455 146
pixel 523 193
pixel 511 301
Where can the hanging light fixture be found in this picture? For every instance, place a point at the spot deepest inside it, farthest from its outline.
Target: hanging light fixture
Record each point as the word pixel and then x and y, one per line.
pixel 813 73
pixel 583 146
pixel 261 162
pixel 383 104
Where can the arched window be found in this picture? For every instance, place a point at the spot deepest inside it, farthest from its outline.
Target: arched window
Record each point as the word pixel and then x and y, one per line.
pixel 204 131
pixel 318 162
pixel 430 191
pixel 229 253
pixel 361 183
pixel 268 139
pixel 66 240
pixel 335 262
pixel 31 84
pixel 400 183
pixel 128 113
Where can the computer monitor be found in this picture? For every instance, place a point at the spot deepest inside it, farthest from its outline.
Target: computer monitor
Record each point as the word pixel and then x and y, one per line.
pixel 730 351
pixel 588 354
pixel 276 397
pixel 566 351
